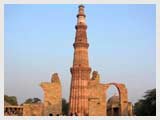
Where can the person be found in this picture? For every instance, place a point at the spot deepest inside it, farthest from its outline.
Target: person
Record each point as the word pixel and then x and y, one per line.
pixel 50 114
pixel 71 114
pixel 76 114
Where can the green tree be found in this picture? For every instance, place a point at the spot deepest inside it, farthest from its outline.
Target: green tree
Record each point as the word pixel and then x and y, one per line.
pixel 65 106
pixel 32 100
pixel 12 100
pixel 147 105
pixel 36 100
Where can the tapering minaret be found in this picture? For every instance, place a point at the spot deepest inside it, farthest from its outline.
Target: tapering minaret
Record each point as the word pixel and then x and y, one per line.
pixel 80 71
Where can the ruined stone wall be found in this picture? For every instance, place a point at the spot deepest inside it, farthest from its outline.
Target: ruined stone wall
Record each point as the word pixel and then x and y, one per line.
pixel 97 97
pixel 33 109
pixel 97 100
pixel 52 96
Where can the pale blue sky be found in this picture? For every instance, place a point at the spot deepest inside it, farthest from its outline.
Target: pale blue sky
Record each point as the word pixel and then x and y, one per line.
pixel 39 39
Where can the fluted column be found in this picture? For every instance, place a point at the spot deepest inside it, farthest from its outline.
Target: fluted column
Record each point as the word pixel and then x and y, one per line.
pixel 80 70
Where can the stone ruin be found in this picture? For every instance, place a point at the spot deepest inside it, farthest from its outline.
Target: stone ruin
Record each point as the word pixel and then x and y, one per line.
pixel 52 96
pixel 51 106
pixel 98 97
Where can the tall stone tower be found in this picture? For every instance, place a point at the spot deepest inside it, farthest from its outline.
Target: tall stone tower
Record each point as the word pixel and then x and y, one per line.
pixel 80 70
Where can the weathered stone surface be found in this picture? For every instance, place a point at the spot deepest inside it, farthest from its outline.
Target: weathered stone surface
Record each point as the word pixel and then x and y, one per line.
pixel 33 109
pixel 95 77
pixel 52 96
pixel 130 109
pixel 97 96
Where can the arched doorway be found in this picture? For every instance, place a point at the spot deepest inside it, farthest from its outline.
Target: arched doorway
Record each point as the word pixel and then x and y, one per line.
pixel 112 101
pixel 123 97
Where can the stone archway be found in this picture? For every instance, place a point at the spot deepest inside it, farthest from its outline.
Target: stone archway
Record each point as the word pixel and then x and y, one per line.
pixel 123 96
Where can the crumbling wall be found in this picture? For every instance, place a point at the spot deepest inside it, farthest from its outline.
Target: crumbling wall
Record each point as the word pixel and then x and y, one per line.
pixel 33 109
pixel 97 97
pixel 52 96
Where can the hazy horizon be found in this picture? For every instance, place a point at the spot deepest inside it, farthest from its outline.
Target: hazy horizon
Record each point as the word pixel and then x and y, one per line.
pixel 39 42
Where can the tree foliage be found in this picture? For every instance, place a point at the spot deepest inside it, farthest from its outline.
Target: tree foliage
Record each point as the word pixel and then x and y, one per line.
pixel 65 106
pixel 12 100
pixel 32 100
pixel 147 105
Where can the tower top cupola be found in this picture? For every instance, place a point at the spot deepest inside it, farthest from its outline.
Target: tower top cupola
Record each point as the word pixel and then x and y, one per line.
pixel 81 15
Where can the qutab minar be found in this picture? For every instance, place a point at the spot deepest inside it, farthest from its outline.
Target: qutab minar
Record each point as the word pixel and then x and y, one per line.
pixel 87 95
pixel 80 70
